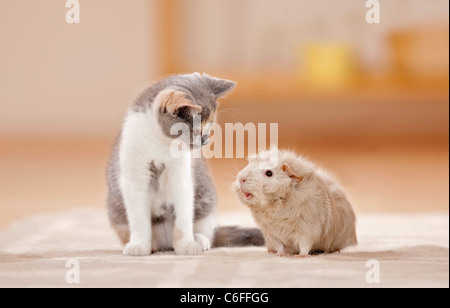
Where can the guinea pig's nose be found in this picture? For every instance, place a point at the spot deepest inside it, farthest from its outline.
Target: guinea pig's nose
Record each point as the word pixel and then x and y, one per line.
pixel 243 180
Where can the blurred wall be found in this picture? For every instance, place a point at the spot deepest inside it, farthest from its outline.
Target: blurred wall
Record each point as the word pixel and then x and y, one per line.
pixel 59 78
pixel 263 36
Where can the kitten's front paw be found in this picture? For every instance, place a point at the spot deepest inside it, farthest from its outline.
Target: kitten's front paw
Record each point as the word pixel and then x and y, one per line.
pixel 187 247
pixel 204 242
pixel 137 249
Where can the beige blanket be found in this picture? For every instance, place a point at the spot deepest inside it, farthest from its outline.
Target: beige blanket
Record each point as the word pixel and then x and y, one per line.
pixel 411 251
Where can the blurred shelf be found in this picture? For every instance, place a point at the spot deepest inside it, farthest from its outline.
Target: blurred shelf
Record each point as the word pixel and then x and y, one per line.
pixel 283 88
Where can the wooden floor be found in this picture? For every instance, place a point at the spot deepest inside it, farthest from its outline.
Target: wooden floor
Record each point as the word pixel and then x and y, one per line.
pixel 43 175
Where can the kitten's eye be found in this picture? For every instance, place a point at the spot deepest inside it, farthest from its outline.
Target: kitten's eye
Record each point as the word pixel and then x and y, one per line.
pixel 184 114
pixel 269 173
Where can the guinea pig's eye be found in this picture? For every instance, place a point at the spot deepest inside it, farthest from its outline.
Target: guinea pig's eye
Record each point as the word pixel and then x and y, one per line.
pixel 269 173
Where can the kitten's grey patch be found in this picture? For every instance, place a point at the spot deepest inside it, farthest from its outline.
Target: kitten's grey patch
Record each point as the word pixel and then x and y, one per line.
pixel 167 216
pixel 139 108
pixel 205 197
pixel 155 174
pixel 116 210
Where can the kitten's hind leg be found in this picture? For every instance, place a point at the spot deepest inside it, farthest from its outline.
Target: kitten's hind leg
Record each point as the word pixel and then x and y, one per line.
pixel 123 231
pixel 204 242
pixel 204 231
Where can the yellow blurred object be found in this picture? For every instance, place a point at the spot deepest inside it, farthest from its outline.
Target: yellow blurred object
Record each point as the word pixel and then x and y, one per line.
pixel 330 66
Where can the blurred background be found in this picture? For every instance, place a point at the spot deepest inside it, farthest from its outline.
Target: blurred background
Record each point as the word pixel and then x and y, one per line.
pixel 369 102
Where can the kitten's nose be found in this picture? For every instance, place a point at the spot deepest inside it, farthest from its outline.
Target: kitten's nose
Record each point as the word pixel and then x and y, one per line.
pixel 243 181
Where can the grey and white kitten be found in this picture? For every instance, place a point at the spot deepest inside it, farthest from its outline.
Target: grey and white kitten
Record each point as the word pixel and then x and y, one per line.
pixel 157 201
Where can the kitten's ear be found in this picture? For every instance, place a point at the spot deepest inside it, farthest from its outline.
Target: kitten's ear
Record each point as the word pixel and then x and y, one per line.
pixel 171 101
pixel 291 173
pixel 219 87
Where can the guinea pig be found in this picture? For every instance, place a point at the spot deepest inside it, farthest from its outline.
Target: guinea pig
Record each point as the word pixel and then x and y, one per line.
pixel 299 207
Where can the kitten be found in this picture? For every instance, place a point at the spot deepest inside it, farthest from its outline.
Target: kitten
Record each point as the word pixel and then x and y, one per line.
pixel 160 202
pixel 300 208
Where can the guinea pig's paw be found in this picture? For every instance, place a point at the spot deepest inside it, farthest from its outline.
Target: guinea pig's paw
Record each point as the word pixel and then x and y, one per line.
pixel 204 242
pixel 302 256
pixel 283 254
pixel 137 249
pixel 270 250
pixel 187 247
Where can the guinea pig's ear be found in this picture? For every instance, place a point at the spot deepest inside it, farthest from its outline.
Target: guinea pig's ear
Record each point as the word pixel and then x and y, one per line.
pixel 171 101
pixel 296 178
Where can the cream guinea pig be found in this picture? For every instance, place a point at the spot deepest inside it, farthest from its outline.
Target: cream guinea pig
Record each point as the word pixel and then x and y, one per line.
pixel 299 207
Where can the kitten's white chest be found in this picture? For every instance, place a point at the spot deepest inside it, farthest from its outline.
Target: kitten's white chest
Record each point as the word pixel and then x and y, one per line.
pixel 164 179
pixel 164 196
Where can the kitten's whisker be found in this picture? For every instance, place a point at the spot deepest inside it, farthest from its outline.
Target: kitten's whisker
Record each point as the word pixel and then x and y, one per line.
pixel 228 111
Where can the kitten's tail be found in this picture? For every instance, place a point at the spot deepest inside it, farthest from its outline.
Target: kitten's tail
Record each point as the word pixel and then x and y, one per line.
pixel 233 236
